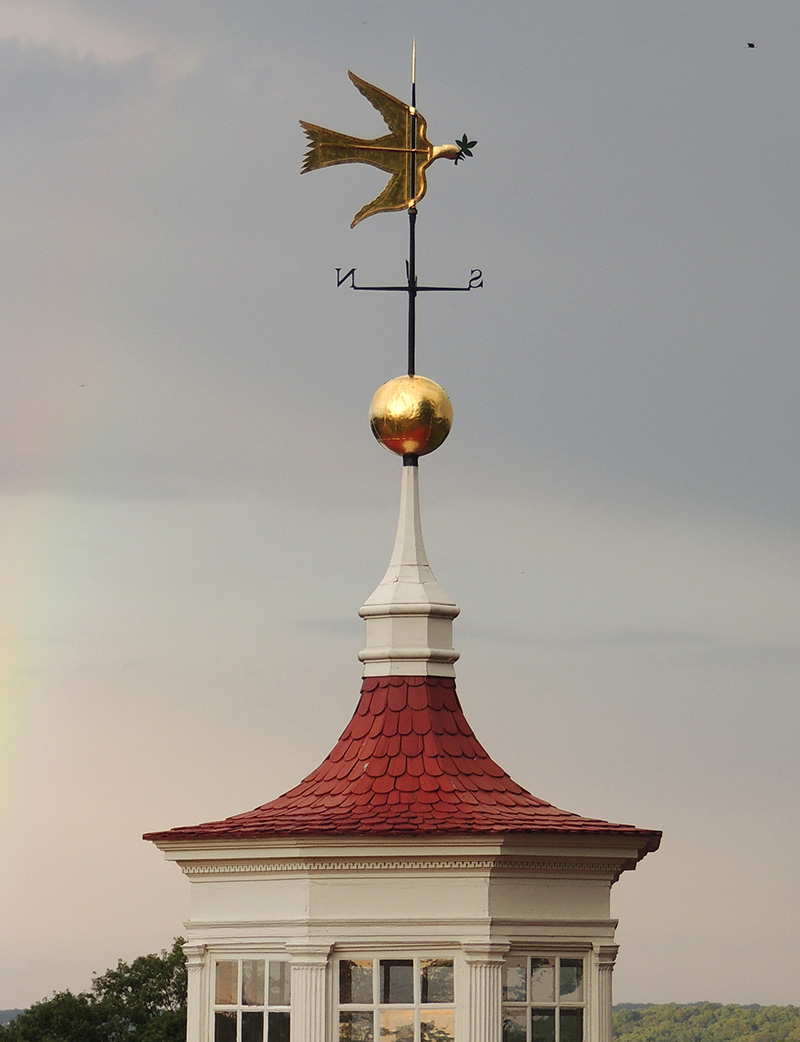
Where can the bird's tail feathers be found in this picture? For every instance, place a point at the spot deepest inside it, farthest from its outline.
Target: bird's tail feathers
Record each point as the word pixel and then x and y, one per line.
pixel 328 147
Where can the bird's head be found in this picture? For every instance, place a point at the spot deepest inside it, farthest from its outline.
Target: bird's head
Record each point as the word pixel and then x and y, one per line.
pixel 446 152
pixel 460 150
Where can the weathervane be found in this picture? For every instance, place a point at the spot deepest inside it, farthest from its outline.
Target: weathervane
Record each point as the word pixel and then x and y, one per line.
pixel 405 153
pixel 409 415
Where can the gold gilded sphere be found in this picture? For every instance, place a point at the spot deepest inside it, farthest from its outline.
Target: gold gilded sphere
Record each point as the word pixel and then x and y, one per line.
pixel 411 415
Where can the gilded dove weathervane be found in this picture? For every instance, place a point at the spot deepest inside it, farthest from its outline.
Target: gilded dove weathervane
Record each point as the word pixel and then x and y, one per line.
pixel 409 415
pixel 405 153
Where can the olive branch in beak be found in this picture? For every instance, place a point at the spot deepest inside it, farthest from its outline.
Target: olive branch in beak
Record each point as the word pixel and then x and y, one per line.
pixel 465 147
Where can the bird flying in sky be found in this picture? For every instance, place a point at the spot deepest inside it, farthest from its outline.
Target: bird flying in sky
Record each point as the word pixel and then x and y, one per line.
pixel 405 152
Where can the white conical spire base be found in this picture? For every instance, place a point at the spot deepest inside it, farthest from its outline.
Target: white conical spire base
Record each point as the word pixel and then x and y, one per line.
pixel 409 617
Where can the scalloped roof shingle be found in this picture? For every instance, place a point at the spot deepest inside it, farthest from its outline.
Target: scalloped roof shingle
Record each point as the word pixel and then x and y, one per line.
pixel 408 763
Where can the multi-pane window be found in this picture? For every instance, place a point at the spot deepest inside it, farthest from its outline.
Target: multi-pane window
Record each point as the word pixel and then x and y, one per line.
pixel 396 1000
pixel 252 1000
pixel 543 999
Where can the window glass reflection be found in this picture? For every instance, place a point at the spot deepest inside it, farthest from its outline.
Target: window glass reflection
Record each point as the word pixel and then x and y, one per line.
pixel 227 983
pixel 570 1024
pixel 252 982
pixel 543 1025
pixel 397 1025
pixel 542 980
pixel 252 1027
pixel 437 1025
pixel 397 981
pixel 280 991
pixel 515 980
pixel 355 982
pixel 437 980
pixel 570 980
pixel 356 1027
pixel 514 1026
pixel 278 1027
pixel 224 1027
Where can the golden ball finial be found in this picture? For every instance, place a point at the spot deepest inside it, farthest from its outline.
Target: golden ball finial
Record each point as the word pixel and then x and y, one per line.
pixel 411 415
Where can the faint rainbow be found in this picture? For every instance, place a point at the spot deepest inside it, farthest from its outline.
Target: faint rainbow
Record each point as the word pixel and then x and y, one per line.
pixel 55 426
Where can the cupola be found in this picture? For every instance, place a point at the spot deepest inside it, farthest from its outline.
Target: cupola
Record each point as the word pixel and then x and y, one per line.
pixel 407 889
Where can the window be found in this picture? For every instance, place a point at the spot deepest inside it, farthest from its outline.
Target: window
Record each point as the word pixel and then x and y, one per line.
pixel 396 1000
pixel 251 1001
pixel 543 999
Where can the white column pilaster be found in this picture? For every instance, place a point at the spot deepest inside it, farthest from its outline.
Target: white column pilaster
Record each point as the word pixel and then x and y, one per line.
pixel 606 956
pixel 309 1005
pixel 484 1009
pixel 196 1018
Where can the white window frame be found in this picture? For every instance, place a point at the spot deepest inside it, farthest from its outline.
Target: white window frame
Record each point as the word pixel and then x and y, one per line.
pixel 240 1007
pixel 557 1004
pixel 377 1006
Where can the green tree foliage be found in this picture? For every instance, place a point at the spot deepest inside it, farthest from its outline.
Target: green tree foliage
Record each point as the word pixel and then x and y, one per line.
pixel 141 1002
pixel 62 1018
pixel 707 1022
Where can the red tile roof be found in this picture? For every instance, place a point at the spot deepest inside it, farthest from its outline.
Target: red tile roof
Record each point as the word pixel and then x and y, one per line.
pixel 408 763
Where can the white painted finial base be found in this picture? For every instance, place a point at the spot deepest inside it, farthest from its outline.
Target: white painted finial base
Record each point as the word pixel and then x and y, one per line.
pixel 409 617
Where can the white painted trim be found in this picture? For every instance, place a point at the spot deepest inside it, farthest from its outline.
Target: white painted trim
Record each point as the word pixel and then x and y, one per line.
pixel 196 997
pixel 477 930
pixel 615 846
pixel 409 617
pixel 559 869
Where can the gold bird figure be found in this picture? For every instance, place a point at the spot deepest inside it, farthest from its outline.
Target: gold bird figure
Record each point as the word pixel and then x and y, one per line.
pixel 396 153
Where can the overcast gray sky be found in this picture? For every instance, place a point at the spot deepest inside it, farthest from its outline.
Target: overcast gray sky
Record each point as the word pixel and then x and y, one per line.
pixel 192 507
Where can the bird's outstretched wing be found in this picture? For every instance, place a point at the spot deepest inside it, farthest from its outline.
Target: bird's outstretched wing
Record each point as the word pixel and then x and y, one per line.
pixel 396 114
pixel 395 196
pixel 396 153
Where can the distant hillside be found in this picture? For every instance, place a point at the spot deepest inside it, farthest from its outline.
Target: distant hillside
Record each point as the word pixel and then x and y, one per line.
pixel 7 1015
pixel 706 1022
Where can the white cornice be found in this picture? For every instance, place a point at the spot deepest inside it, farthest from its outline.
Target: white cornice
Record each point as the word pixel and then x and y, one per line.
pixel 618 847
pixel 339 865
pixel 457 931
